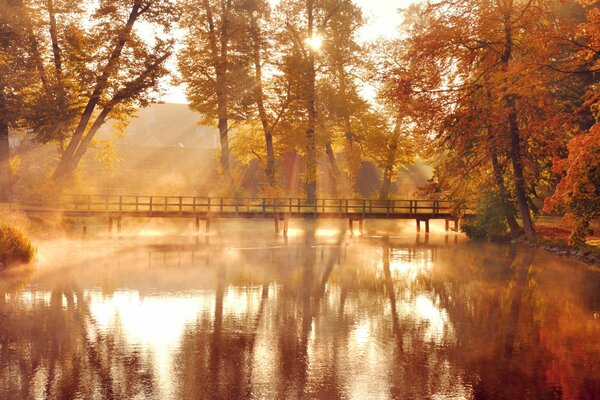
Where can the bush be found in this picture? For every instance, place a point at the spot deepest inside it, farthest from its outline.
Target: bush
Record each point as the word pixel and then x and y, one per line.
pixel 489 221
pixel 15 247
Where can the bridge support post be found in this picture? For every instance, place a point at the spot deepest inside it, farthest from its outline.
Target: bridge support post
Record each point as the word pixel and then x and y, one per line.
pixel 119 225
pixel 276 225
pixel 206 225
pixel 426 226
pixel 447 224
pixel 456 225
pixel 285 226
pixel 360 226
pixel 351 226
pixel 418 225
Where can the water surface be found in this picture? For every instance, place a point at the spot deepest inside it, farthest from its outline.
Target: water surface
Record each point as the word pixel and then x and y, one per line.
pixel 321 315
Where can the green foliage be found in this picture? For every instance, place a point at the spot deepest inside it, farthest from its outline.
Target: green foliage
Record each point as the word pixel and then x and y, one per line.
pixel 15 246
pixel 489 222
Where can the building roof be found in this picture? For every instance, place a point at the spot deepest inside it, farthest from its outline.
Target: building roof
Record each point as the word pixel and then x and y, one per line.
pixel 170 125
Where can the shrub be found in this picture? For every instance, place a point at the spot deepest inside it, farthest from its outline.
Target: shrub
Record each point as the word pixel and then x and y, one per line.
pixel 489 221
pixel 14 246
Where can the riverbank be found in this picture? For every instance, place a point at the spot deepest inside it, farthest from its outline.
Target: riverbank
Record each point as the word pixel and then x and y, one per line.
pixel 555 238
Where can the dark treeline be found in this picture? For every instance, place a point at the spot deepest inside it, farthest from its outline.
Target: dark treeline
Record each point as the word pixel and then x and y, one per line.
pixel 501 97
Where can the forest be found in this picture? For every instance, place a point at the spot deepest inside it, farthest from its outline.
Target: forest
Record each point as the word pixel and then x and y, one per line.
pixel 500 97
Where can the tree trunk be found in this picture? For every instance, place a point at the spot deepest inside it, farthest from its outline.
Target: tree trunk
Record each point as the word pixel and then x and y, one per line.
pixel 85 142
pixel 352 156
pixel 388 172
pixel 258 93
pixel 509 210
pixel 386 184
pixel 333 168
pixel 224 139
pixel 311 158
pixel 270 170
pixel 514 132
pixel 517 163
pixel 219 55
pixel 223 96
pixel 5 186
pixel 55 48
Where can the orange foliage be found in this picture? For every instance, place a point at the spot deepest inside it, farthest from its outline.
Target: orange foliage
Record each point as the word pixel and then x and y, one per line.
pixel 578 192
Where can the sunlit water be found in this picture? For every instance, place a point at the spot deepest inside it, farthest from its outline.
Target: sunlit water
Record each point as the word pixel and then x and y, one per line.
pixel 246 314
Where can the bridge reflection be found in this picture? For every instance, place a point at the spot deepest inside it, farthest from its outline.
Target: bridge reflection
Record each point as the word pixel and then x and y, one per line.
pixel 199 253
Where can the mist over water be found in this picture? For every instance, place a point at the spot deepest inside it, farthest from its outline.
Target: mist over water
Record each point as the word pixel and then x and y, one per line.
pixel 158 313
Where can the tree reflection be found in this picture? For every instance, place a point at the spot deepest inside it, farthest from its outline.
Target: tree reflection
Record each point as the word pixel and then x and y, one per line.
pixel 58 352
pixel 314 318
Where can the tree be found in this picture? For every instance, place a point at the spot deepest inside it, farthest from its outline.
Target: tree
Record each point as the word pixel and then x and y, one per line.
pixel 578 191
pixel 272 94
pixel 302 24
pixel 311 109
pixel 399 153
pixel 17 72
pixel 214 63
pixel 255 9
pixel 479 92
pixel 108 68
pixel 343 58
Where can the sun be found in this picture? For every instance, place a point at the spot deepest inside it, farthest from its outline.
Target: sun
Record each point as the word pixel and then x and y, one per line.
pixel 315 42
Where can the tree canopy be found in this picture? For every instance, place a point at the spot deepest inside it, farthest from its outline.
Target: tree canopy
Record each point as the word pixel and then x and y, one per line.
pixel 499 96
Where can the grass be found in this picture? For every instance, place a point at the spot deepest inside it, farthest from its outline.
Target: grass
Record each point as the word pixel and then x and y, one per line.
pixel 15 246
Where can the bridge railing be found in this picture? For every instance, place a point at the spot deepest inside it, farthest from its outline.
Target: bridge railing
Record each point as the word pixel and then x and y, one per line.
pixel 215 205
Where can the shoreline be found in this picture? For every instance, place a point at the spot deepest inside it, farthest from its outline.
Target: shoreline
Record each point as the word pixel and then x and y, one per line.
pixel 588 254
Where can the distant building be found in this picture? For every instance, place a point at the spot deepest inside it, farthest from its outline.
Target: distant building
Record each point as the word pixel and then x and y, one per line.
pixel 169 125
pixel 164 150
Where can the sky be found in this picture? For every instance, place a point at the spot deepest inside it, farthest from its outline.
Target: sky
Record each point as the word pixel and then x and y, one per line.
pixel 382 20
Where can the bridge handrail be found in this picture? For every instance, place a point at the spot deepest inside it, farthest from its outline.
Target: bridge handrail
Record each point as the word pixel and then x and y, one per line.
pixel 264 205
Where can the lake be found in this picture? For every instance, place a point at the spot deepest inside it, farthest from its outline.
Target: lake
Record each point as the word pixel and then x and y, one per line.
pixel 243 313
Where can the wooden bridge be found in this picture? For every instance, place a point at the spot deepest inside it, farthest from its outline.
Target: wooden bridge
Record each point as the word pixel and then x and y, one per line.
pixel 116 207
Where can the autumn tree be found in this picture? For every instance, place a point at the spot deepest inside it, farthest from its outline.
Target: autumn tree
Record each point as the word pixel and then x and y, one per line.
pixel 301 38
pixel 15 76
pixel 256 16
pixel 100 68
pixel 479 89
pixel 272 91
pixel 343 58
pixel 214 62
pixel 398 151
pixel 312 41
pixel 578 191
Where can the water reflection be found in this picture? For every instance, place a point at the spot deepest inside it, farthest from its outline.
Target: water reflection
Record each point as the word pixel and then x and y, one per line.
pixel 319 316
